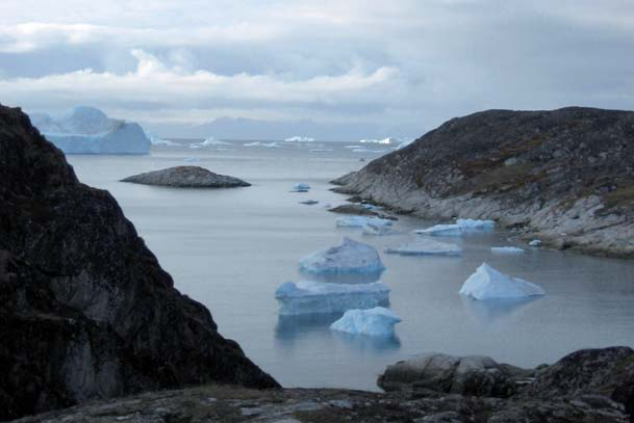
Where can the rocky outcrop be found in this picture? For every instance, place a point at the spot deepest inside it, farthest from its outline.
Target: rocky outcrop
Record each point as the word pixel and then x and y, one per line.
pixel 469 375
pixel 186 177
pixel 87 312
pixel 565 175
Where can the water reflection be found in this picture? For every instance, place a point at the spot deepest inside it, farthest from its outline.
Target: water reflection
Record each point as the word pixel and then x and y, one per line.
pixel 375 344
pixel 491 310
pixel 344 278
pixel 291 327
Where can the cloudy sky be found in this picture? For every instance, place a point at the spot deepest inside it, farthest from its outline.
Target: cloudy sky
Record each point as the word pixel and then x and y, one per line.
pixel 398 66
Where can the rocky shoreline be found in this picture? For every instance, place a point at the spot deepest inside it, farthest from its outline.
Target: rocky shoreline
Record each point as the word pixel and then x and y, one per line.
pixel 563 176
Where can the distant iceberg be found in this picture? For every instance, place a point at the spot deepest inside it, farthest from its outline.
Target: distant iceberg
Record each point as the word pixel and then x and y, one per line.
pixel 378 321
pixel 263 144
pixel 308 297
pixel 361 221
pixel 450 229
pixel 384 141
pixel 425 247
pixel 297 138
pixel 348 257
pixel 160 141
pixel 476 224
pixel 459 228
pixel 507 250
pixel 487 283
pixel 209 142
pixel 87 130
pixel 535 243
pixel 300 187
pixel 405 143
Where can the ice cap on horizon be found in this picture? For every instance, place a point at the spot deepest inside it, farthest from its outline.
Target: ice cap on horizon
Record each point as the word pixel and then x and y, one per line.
pixel 377 321
pixel 488 283
pixel 349 257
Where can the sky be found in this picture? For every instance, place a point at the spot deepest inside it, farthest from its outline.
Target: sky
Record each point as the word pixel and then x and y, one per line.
pixel 367 68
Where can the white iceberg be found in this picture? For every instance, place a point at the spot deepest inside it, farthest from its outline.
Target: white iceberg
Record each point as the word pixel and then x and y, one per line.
pixel 425 247
pixel 361 221
pixel 297 138
pixel 209 142
pixel 378 321
pixel 384 141
pixel 475 224
pixel 87 130
pixel 348 257
pixel 507 250
pixel 300 187
pixel 535 243
pixel 459 228
pixel 487 283
pixel 263 144
pixel 191 159
pixel 154 140
pixel 308 297
pixel 374 229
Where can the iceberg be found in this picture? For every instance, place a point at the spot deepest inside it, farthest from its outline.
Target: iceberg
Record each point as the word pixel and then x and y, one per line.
pixel 297 138
pixel 154 140
pixel 425 247
pixel 507 250
pixel 535 243
pixel 475 224
pixel 377 321
pixel 300 187
pixel 361 221
pixel 487 283
pixel 377 229
pixel 309 297
pixel 384 141
pixel 457 229
pixel 348 257
pixel 209 142
pixel 450 229
pixel 263 144
pixel 87 130
pixel 309 202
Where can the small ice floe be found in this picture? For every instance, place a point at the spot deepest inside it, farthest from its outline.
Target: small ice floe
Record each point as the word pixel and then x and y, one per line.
pixel 535 243
pixel 348 257
pixel 378 321
pixel 301 187
pixel 374 229
pixel 459 228
pixel 161 141
pixel 361 221
pixel 309 297
pixel 298 138
pixel 507 250
pixel 309 202
pixel 263 144
pixel 425 247
pixel 487 283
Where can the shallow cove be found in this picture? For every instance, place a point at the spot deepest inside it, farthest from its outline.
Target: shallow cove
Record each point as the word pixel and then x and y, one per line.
pixel 230 249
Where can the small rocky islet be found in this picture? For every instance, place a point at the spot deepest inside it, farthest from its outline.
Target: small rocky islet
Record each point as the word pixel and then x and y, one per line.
pixel 88 314
pixel 186 177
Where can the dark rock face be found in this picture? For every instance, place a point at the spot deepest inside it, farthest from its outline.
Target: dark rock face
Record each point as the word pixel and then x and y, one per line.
pixel 186 177
pixel 565 174
pixel 87 312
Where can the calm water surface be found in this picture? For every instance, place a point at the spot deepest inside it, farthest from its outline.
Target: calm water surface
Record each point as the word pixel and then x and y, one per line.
pixel 230 250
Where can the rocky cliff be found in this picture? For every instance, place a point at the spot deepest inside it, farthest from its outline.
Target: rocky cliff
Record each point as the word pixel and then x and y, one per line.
pixel 565 176
pixel 87 312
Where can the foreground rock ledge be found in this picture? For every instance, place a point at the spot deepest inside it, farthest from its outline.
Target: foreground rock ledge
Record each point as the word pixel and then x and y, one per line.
pixel 564 175
pixel 86 310
pixel 186 177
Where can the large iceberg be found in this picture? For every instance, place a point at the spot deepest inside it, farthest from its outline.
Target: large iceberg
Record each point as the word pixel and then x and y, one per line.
pixel 425 247
pixel 361 221
pixel 459 228
pixel 487 283
pixel 87 130
pixel 349 257
pixel 309 297
pixel 378 321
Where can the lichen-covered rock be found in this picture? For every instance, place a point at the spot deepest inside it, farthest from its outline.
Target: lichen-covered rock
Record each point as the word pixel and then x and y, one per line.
pixel 565 175
pixel 87 312
pixel 186 177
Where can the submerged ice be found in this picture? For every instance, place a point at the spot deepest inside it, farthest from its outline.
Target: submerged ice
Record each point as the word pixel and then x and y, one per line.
pixel 487 283
pixel 309 297
pixel 378 321
pixel 348 257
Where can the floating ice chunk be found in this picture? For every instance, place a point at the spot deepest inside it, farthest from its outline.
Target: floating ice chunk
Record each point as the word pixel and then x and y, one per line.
pixel 263 144
pixel 425 247
pixel 160 141
pixel 308 297
pixel 361 221
pixel 384 141
pixel 487 283
pixel 371 228
pixel 309 202
pixel 209 142
pixel 475 224
pixel 378 321
pixel 298 138
pixel 301 187
pixel 87 130
pixel 535 243
pixel 348 257
pixel 507 250
pixel 450 229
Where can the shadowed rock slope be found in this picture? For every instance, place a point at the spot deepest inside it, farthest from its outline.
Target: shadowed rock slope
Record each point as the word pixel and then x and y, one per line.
pixel 566 176
pixel 86 310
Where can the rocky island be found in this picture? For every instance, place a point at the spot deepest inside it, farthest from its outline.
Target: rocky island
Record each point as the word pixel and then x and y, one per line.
pixel 186 177
pixel 565 176
pixel 86 310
